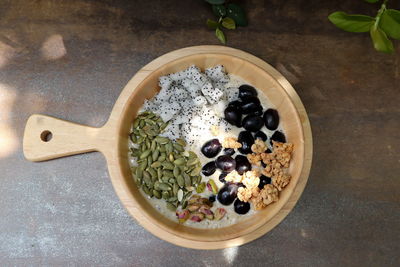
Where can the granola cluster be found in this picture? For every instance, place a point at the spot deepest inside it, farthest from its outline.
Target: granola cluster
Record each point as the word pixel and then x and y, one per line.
pixel 231 142
pixel 259 146
pixel 275 164
pixel 234 177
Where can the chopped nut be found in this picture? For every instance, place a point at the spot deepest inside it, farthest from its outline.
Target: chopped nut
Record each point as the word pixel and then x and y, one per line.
pixel 219 213
pixel 193 207
pixel 245 194
pixel 182 215
pixel 214 129
pixel 250 179
pixel 231 142
pixel 234 177
pixel 196 217
pixel 259 146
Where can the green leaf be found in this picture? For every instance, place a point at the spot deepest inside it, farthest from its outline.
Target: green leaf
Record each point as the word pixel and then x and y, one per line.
pixel 219 10
pixel 212 24
pixel 220 35
pixel 395 14
pixel 228 23
pixel 389 25
pixel 371 1
pixel 351 23
pixel 236 13
pixel 380 40
pixel 215 2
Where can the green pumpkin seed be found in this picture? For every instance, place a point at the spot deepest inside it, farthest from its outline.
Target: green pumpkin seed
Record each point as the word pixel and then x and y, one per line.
pixel 188 181
pixel 192 161
pixel 140 140
pixel 175 189
pixel 153 145
pixel 165 195
pixel 164 186
pixel 176 171
pixel 145 154
pixel 156 185
pixel 136 123
pixel 199 178
pixel 147 180
pixel 171 157
pixel 168 148
pixel 149 161
pixel 168 165
pixel 133 138
pixel 155 154
pixel 157 193
pixel 141 123
pixel 201 187
pixel 181 142
pixel 162 140
pixel 171 207
pixel 143 165
pixel 148 144
pixel 192 155
pixel 180 180
pixel 184 204
pixel 139 173
pixel 180 195
pixel 179 161
pixel 165 179
pixel 161 158
pixel 178 147
pixel 156 164
pixel 172 199
pixel 195 171
pixel 148 121
pixel 162 148
pixel 147 191
pixel 133 169
pixel 168 173
pixel 159 173
pixel 163 126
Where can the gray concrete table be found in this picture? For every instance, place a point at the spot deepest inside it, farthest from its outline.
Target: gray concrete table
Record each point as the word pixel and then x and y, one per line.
pixel 71 59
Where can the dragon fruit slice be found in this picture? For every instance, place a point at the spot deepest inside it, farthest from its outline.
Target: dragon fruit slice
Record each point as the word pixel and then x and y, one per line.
pixel 200 101
pixel 168 110
pixel 217 73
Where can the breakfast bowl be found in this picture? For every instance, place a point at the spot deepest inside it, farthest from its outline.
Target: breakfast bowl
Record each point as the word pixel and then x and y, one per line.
pixel 48 138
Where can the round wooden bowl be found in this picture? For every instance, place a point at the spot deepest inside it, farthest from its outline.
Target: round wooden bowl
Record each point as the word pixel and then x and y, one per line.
pixel 112 140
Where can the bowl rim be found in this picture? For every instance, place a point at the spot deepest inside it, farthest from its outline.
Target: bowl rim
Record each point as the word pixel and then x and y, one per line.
pixel 115 168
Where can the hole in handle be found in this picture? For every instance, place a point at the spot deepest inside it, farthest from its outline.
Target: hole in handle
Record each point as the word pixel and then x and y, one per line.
pixel 46 136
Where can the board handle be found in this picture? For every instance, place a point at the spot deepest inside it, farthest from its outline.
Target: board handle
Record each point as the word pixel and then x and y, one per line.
pixel 48 138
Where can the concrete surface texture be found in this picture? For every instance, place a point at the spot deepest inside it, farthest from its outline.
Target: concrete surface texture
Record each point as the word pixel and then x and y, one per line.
pixel 70 59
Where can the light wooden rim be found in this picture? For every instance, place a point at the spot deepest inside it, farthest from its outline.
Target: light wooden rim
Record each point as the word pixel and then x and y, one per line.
pixel 117 176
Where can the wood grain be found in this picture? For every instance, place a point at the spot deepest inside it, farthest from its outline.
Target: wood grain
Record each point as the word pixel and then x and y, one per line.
pixel 111 140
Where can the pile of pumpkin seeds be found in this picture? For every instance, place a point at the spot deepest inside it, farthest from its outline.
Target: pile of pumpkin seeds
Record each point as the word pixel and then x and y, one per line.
pixel 165 170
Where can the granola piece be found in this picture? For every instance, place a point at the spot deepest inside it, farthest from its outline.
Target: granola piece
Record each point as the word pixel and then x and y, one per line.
pixel 283 152
pixel 281 181
pixel 234 177
pixel 259 146
pixel 245 194
pixel 231 142
pixel 250 179
pixel 266 196
pixel 214 129
pixel 254 159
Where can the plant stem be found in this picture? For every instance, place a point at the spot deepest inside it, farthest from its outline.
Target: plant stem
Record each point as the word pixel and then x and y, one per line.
pixel 380 11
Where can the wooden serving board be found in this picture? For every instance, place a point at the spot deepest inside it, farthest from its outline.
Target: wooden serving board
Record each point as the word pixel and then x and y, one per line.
pixel 111 140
